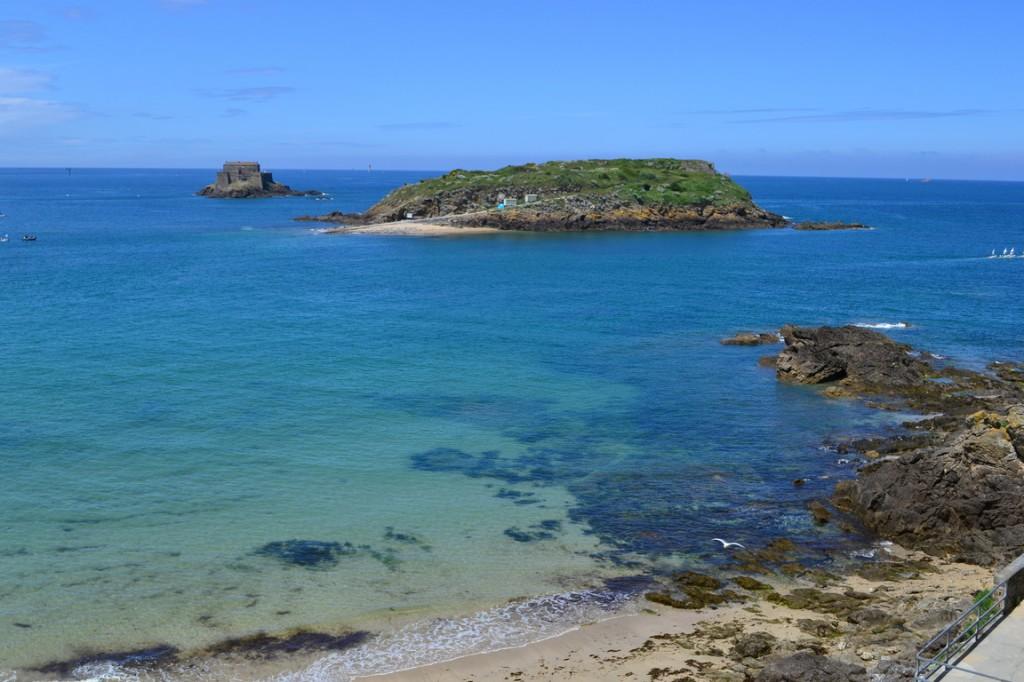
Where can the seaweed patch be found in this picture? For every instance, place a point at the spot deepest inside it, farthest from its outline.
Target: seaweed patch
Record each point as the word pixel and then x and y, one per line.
pixel 139 658
pixel 517 496
pixel 405 538
pixel 319 554
pixel 264 646
pixel 386 557
pixel 545 530
pixel 307 553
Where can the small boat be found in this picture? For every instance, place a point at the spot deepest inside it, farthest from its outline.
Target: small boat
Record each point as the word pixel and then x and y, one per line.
pixel 4 239
pixel 28 237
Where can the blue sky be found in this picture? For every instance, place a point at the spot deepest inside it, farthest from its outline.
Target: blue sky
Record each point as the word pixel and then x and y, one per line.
pixel 885 89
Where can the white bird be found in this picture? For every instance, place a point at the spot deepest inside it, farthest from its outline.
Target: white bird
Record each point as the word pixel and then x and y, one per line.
pixel 727 545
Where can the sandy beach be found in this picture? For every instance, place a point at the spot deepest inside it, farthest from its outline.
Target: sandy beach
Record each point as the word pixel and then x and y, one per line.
pixel 734 642
pixel 411 228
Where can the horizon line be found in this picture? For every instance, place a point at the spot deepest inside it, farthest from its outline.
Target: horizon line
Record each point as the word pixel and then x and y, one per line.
pixel 917 178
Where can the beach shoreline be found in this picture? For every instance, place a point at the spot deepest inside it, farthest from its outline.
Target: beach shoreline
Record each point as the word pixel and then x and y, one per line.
pixel 710 643
pixel 411 228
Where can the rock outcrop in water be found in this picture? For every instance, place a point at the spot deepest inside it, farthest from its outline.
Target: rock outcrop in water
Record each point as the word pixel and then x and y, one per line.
pixel 819 226
pixel 962 497
pixel 619 194
pixel 859 356
pixel 245 180
pixel 957 489
pixel 751 339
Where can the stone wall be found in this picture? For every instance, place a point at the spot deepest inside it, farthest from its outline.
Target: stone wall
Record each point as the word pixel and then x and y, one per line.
pixel 240 174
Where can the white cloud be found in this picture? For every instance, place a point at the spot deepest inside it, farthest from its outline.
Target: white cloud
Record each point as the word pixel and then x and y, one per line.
pixel 17 113
pixel 18 81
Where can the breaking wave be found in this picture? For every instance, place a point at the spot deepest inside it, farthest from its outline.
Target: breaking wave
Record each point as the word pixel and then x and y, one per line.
pixel 439 640
pixel 882 325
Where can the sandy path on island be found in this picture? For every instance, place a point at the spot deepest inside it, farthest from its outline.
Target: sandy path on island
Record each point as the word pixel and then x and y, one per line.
pixel 412 228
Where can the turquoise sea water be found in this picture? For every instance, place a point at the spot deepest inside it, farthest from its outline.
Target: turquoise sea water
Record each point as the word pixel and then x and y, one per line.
pixel 188 385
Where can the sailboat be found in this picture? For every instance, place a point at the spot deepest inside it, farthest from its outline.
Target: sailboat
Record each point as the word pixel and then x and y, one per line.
pixel 4 239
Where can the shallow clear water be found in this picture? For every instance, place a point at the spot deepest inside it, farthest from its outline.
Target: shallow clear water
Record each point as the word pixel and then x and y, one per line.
pixel 185 380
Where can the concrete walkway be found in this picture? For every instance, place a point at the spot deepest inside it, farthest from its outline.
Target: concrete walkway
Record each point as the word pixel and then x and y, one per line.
pixel 999 655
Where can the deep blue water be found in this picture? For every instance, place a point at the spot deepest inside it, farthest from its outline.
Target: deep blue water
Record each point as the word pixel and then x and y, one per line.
pixel 187 381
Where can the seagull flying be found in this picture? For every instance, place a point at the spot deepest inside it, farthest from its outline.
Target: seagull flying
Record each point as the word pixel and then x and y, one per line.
pixel 727 545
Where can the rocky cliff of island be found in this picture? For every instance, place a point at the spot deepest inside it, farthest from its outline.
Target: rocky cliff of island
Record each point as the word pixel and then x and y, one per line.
pixel 245 180
pixel 618 194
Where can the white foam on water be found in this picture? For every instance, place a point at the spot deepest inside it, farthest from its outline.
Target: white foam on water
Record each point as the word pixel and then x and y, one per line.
pixel 444 639
pixel 882 325
pixel 415 645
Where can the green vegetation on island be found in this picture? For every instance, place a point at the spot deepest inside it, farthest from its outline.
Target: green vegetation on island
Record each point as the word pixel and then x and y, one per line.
pixel 616 194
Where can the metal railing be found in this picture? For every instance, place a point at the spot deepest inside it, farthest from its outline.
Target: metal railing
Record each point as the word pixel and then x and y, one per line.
pixel 943 651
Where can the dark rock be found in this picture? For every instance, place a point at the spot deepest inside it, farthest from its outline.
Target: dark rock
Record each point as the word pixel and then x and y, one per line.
pixel 868 616
pixel 245 180
pixel 807 667
pixel 753 645
pixel 829 225
pixel 956 487
pixel 811 599
pixel 694 579
pixel 824 354
pixel 819 512
pixel 886 571
pixel 751 339
pixel 893 671
pixel 964 500
pixel 818 628
pixel 666 599
pixel 748 583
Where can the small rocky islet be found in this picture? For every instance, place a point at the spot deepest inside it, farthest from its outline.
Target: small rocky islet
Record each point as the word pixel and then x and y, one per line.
pixel 246 180
pixel 825 226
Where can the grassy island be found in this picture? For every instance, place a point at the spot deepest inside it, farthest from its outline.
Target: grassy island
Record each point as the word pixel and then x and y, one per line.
pixel 616 194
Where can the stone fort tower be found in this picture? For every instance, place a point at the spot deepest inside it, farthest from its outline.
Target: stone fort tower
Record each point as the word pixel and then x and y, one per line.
pixel 238 175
